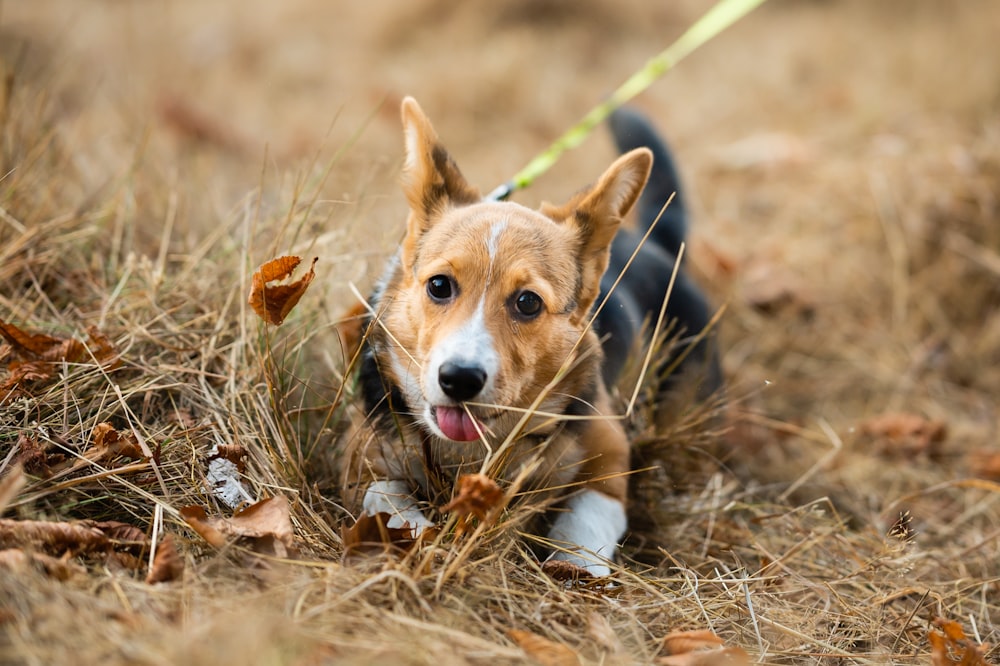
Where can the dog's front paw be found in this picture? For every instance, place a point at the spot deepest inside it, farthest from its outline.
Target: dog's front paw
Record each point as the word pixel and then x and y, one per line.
pixel 588 530
pixel 394 498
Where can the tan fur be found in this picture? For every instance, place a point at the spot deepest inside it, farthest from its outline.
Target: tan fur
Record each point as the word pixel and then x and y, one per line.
pixel 493 251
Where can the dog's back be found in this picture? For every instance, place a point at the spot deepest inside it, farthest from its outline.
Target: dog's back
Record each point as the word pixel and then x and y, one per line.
pixel 639 295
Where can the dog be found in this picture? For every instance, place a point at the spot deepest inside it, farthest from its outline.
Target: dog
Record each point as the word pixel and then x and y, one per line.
pixel 481 341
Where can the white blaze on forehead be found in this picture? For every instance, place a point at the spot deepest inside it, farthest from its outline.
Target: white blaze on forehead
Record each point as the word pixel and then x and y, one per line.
pixel 493 242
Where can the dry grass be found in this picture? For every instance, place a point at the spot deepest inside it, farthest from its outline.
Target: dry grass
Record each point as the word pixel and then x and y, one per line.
pixel 846 184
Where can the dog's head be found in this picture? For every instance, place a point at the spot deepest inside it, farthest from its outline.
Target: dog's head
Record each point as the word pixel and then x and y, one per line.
pixel 489 300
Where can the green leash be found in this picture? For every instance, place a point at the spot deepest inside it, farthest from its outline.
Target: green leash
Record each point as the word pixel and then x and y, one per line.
pixel 718 18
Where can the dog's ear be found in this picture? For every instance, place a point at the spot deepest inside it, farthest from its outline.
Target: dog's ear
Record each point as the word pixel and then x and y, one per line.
pixel 597 214
pixel 431 179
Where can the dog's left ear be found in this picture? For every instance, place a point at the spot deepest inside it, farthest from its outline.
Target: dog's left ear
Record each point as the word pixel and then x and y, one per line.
pixel 431 179
pixel 599 213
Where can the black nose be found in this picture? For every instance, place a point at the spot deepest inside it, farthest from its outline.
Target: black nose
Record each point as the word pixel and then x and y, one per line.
pixel 461 382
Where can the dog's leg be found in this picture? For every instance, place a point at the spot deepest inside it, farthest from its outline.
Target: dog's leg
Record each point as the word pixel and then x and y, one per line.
pixel 396 499
pixel 589 530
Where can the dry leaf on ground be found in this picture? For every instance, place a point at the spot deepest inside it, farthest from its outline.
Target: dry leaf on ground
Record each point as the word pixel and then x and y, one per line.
pixel 34 355
pixel 273 303
pixel 17 561
pixel 905 434
pixel 700 647
pixel 36 459
pixel 543 650
pixel 11 484
pixel 111 443
pixel 985 464
pixel 168 565
pixel 372 535
pixel 478 495
pixel 565 571
pixel 267 525
pixel 950 645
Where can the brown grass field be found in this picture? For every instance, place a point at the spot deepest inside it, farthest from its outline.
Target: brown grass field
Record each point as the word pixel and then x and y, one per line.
pixel 842 158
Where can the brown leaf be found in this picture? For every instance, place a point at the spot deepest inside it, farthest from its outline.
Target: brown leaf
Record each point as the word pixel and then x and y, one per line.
pixel 111 443
pixel 38 353
pixel 905 434
pixel 478 495
pixel 266 524
pixel 699 647
pixel 52 536
pixel 38 345
pixel 372 534
pixel 17 561
pixel 198 520
pixel 273 303
pixel 11 484
pixel 234 453
pixel 950 645
pixel 543 650
pixel 34 457
pixel 985 464
pixel 167 564
pixel 565 571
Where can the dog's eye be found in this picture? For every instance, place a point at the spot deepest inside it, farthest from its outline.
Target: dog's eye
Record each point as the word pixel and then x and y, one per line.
pixel 440 288
pixel 528 304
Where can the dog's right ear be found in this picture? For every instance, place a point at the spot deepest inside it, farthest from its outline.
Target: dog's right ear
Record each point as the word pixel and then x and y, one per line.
pixel 431 179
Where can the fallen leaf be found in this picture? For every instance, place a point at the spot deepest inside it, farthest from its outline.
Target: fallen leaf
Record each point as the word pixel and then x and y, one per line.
pixel 36 355
pixel 905 434
pixel 273 303
pixel 700 647
pixel 167 564
pixel 985 464
pixel 198 520
pixel 372 535
pixel 543 650
pixel 565 571
pixel 84 536
pixel 478 495
pixel 35 458
pixel 17 561
pixel 112 443
pixel 11 484
pixel 950 645
pixel 267 525
pixel 680 642
pixel 234 453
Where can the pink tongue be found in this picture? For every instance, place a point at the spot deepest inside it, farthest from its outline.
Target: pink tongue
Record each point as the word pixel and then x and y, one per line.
pixel 456 424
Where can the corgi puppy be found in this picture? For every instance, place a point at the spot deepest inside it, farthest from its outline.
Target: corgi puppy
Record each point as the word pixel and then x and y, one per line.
pixel 481 343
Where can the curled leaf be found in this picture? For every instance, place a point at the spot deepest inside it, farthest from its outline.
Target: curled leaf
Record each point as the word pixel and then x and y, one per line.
pixel 700 647
pixel 371 534
pixel 544 651
pixel 167 564
pixel 950 645
pixel 267 525
pixel 478 495
pixel 273 303
pixel 111 443
pixel 564 571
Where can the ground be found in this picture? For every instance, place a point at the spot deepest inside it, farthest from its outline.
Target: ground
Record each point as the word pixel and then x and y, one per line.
pixel 842 160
